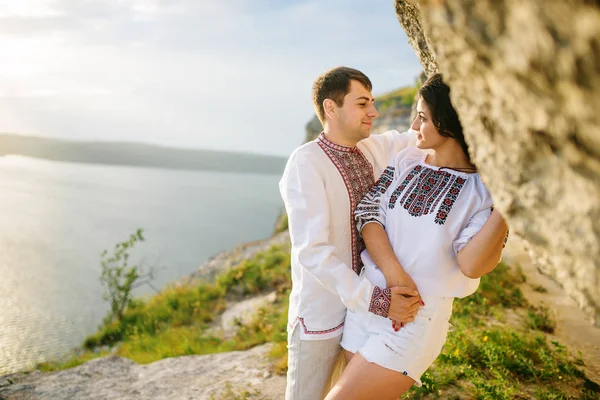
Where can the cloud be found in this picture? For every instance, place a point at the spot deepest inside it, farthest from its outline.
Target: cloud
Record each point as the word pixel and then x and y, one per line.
pixel 200 73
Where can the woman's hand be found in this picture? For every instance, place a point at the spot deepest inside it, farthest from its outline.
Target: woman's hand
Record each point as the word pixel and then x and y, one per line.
pixel 399 278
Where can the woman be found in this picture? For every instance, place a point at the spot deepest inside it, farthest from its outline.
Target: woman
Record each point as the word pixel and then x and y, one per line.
pixel 428 223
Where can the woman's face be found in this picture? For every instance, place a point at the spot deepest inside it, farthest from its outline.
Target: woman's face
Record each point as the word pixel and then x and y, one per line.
pixel 428 136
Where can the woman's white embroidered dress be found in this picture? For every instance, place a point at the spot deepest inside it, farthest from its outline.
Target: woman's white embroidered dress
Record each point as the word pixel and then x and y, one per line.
pixel 429 215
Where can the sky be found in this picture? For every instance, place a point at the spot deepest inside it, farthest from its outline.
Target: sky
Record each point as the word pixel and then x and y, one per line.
pixel 214 74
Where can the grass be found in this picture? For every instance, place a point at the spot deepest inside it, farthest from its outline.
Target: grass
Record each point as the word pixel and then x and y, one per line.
pixel 539 288
pixel 497 350
pixel 232 393
pixel 487 358
pixel 539 318
pixel 282 222
pixel 72 361
pixel 175 322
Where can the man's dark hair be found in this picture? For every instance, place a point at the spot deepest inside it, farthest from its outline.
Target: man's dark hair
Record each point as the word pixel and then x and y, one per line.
pixel 437 96
pixel 334 84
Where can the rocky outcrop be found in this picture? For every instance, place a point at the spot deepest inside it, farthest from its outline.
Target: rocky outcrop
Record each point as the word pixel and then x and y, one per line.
pixel 242 313
pixel 238 374
pixel 231 258
pixel 525 79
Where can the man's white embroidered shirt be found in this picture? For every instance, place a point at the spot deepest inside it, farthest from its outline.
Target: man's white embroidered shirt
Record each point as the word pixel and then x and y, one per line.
pixel 321 186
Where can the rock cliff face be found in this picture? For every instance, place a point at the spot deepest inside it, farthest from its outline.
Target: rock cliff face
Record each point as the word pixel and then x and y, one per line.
pixel 525 79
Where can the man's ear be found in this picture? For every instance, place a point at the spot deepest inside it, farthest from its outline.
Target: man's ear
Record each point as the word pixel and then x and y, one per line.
pixel 330 108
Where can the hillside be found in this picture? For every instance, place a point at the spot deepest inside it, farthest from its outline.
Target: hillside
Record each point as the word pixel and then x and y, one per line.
pixel 186 343
pixel 139 154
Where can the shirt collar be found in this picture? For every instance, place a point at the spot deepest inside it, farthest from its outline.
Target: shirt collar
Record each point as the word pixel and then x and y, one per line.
pixel 323 139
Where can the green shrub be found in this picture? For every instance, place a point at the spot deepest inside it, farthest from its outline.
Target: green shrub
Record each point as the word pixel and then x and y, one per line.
pixel 120 278
pixel 539 318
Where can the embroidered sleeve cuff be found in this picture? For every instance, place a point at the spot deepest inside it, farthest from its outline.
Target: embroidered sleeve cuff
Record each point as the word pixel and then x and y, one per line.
pixel 380 301
pixel 360 225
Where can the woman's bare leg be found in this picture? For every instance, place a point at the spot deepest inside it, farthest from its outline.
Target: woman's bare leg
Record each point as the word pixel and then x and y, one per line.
pixel 362 380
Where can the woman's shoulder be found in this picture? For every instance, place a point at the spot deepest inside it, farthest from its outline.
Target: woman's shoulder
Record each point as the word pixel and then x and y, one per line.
pixel 408 156
pixel 479 191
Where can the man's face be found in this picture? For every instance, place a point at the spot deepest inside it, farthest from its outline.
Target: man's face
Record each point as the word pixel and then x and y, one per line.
pixel 428 136
pixel 356 116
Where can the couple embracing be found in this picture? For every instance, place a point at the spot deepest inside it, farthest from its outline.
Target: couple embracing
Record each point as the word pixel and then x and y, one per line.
pixel 386 231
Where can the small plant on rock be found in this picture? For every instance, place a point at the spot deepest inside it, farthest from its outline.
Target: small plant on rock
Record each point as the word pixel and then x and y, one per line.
pixel 120 278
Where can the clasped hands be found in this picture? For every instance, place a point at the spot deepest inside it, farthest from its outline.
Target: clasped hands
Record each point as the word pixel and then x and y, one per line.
pixel 406 300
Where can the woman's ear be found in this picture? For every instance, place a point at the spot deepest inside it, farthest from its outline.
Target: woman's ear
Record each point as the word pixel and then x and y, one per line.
pixel 330 108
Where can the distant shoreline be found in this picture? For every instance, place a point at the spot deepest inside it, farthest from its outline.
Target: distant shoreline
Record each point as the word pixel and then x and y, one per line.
pixel 139 155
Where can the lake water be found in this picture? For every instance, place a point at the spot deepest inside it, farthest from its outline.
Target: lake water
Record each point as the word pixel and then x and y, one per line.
pixel 56 218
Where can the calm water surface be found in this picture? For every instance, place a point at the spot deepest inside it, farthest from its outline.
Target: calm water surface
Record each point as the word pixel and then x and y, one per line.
pixel 56 218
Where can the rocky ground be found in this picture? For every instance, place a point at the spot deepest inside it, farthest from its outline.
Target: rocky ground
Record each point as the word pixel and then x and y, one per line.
pixel 573 328
pixel 214 376
pixel 247 374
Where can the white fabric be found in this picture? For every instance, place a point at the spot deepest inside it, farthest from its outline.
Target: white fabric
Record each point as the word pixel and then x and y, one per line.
pixel 320 218
pixel 425 248
pixel 412 349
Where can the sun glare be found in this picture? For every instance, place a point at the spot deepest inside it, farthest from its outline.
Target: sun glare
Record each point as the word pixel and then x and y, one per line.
pixel 27 8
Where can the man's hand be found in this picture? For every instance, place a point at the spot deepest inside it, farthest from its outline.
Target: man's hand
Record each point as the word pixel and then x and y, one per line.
pixel 405 304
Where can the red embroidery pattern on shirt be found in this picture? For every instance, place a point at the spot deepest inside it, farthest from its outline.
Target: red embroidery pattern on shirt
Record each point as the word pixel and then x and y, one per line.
pixel 301 321
pixel 357 173
pixel 381 299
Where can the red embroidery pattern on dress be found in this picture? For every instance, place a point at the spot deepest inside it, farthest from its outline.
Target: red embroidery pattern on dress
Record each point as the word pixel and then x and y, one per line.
pixel 357 173
pixel 449 201
pixel 368 208
pixel 380 301
pixel 423 194
pixel 415 171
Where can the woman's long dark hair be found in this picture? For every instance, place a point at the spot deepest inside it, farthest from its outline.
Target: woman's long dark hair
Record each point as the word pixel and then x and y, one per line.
pixel 437 96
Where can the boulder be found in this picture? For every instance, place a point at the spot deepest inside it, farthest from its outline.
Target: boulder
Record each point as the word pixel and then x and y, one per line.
pixel 525 80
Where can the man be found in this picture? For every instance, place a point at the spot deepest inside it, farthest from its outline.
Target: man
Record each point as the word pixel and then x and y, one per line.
pixel 321 185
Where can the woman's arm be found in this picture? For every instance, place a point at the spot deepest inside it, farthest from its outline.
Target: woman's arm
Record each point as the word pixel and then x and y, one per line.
pixel 370 216
pixel 382 254
pixel 484 251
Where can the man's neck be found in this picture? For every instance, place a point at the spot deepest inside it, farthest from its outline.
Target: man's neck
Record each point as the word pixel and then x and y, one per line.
pixel 336 136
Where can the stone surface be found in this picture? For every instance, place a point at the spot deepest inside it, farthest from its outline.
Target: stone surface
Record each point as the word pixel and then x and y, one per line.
pixel 217 376
pixel 525 80
pixel 243 311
